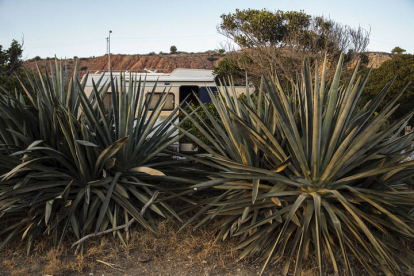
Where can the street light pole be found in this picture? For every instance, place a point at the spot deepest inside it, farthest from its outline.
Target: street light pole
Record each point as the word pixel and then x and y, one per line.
pixel 109 51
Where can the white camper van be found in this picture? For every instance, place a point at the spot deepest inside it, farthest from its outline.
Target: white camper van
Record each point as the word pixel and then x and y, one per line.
pixel 181 83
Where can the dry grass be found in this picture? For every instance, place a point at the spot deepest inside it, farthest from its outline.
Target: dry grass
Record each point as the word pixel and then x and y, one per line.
pixel 53 261
pixel 8 264
pixel 145 253
pixel 20 272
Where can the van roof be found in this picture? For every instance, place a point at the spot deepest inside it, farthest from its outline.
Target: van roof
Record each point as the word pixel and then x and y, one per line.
pixel 178 75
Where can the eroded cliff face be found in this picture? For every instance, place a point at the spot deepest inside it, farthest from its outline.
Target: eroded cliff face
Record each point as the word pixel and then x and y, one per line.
pixel 139 62
pixel 377 58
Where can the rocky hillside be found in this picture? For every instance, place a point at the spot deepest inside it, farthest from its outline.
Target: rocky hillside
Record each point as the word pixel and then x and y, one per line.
pixel 165 61
pixel 140 62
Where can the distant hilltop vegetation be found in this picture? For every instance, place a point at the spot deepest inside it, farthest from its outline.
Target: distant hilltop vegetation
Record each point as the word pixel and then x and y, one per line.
pixel 162 61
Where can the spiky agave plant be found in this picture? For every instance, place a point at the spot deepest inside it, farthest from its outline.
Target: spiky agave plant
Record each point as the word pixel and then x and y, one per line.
pixel 63 162
pixel 131 116
pixel 322 183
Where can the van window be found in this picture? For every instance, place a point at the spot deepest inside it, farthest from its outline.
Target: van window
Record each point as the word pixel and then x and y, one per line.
pixel 187 93
pixel 169 103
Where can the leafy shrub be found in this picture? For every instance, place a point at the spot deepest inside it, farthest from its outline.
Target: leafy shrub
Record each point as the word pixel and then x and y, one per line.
pixel 364 58
pixel 229 67
pixel 398 50
pixel 349 55
pixel 11 67
pixel 399 70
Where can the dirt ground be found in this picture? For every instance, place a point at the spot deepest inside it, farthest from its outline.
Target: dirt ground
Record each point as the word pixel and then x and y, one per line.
pixel 167 253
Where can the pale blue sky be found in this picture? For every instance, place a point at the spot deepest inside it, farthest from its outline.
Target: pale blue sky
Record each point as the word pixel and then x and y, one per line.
pixel 66 28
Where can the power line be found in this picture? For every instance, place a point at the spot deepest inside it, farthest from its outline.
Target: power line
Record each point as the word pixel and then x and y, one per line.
pixel 66 44
pixel 120 38
pixel 392 44
pixel 164 38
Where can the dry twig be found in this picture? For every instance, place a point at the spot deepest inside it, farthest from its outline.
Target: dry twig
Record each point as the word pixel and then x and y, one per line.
pixel 124 226
pixel 110 265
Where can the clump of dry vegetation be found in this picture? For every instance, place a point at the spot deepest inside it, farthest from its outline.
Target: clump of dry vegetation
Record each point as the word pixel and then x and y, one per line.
pixel 146 253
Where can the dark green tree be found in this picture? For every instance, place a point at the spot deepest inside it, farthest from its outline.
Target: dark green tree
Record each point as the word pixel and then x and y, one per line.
pixel 10 59
pixel 250 28
pixel 401 67
pixel 10 66
pixel 282 40
pixel 398 50
pixel 173 49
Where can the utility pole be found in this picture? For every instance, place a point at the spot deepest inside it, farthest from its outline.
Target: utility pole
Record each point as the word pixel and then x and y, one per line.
pixel 107 43
pixel 109 50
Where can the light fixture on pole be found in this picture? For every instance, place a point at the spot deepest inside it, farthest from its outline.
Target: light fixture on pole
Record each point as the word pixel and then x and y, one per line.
pixel 109 51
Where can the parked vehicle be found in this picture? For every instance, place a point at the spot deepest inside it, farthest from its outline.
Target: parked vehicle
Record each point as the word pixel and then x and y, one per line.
pixel 180 84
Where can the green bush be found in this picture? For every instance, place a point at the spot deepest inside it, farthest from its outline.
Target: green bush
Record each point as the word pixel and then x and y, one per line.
pixel 364 58
pixel 11 67
pixel 398 50
pixel 400 72
pixel 228 67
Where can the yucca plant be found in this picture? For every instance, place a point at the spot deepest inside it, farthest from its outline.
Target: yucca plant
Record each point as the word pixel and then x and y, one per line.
pixel 70 162
pixel 305 172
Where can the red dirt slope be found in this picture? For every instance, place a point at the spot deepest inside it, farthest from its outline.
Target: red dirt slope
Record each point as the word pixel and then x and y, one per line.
pixel 138 62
